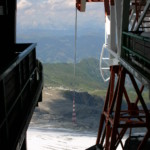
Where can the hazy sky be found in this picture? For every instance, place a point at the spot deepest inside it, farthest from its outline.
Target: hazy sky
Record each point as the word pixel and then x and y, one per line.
pixel 57 14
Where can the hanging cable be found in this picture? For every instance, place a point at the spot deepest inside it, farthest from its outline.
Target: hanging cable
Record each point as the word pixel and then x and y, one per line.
pixel 74 80
pixel 75 49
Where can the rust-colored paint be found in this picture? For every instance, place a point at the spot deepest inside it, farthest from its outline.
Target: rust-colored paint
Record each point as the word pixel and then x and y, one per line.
pixel 106 5
pixel 112 2
pixel 114 121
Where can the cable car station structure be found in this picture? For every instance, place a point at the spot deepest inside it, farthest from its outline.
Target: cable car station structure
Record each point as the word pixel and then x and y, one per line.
pixel 127 41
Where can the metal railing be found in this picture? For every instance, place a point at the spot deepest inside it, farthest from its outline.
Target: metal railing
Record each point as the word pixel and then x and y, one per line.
pixel 136 51
pixel 20 91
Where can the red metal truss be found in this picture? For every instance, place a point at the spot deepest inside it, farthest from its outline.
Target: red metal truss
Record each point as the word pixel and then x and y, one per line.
pixel 138 7
pixel 81 5
pixel 115 121
pixel 107 8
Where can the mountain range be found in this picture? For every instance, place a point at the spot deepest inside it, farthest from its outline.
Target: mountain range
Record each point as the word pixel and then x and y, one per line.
pixel 59 46
pixel 55 49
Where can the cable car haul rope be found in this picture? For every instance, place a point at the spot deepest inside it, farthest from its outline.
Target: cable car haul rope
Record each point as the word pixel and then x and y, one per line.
pixel 74 80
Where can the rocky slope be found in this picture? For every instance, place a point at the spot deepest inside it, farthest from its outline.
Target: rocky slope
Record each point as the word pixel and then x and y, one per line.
pixel 56 110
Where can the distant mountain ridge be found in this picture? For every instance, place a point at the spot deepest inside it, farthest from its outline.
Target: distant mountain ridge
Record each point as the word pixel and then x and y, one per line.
pixel 55 48
pixel 87 75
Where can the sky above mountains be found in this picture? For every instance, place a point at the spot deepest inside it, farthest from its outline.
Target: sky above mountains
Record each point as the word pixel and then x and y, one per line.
pixel 51 24
pixel 58 15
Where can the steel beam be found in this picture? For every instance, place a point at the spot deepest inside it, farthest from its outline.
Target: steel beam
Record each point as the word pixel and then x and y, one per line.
pixel 115 122
pixel 146 8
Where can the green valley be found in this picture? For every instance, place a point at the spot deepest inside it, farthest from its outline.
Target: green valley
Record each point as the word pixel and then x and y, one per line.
pixel 87 76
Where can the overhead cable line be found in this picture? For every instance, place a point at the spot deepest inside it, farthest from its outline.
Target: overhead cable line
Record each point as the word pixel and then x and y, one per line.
pixel 74 79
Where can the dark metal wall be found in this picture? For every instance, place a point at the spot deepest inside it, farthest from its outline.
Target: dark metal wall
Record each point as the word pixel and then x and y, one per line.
pixel 7 27
pixel 20 89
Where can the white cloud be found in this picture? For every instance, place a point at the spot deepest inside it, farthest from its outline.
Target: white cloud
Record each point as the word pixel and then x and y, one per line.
pixel 58 14
pixel 30 12
pixel 61 3
pixel 23 4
